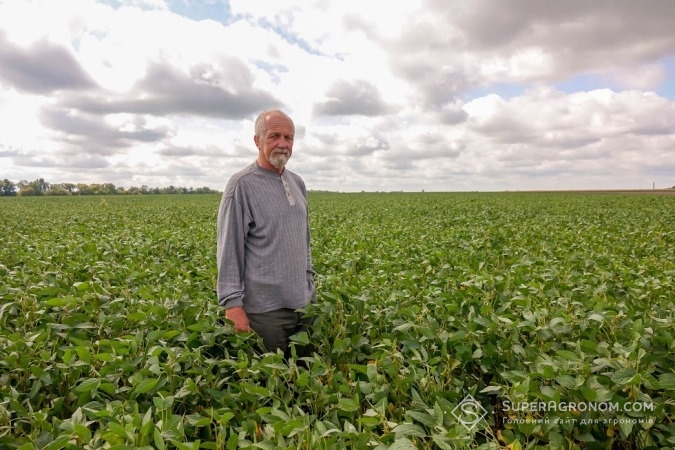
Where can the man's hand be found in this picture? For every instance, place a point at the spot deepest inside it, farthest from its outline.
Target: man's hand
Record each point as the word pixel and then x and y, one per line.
pixel 238 317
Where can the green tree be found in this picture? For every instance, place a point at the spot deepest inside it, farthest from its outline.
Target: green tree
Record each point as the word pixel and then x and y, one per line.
pixel 70 187
pixel 7 188
pixel 57 189
pixel 40 186
pixel 84 189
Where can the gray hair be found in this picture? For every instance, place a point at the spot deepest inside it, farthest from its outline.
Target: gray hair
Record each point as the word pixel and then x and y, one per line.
pixel 261 123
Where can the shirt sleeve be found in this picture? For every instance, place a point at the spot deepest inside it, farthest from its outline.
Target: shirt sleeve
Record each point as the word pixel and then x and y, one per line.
pixel 310 267
pixel 233 227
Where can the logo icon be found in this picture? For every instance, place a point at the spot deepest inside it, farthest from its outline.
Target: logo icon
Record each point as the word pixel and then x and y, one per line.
pixel 469 412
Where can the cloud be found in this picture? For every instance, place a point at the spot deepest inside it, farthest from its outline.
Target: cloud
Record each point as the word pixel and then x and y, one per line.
pixel 545 117
pixel 352 98
pixel 572 31
pixel 588 132
pixel 222 91
pixel 7 151
pixel 210 151
pixel 42 68
pixel 647 77
pixel 435 95
pixel 351 146
pixel 456 46
pixel 89 134
pixel 65 161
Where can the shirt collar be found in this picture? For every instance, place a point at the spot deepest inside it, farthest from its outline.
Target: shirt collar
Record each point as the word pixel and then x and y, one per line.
pixel 267 171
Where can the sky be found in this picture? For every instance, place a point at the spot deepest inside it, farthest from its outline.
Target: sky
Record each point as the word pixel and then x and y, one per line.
pixel 434 95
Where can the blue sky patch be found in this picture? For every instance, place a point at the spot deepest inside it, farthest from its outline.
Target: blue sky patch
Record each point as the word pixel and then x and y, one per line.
pixel 218 10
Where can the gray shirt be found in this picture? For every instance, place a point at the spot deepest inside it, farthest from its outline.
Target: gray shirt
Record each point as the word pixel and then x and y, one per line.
pixel 264 259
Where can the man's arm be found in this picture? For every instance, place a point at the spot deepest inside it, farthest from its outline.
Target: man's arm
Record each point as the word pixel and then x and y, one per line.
pixel 310 267
pixel 239 318
pixel 232 231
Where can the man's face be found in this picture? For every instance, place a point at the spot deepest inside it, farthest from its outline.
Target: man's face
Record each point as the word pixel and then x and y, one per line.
pixel 276 145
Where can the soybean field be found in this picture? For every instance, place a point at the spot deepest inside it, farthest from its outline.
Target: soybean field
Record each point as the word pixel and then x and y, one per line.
pixel 445 321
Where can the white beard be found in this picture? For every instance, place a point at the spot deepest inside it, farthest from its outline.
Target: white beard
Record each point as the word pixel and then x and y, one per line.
pixel 279 160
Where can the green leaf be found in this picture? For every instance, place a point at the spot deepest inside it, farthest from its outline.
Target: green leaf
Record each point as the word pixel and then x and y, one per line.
pixel 301 338
pixel 625 426
pixel 88 385
pixel 158 439
pixel 491 390
pixel 83 433
pixel 146 385
pixel 596 317
pixel 568 355
pixel 255 389
pixel 421 417
pixel 347 404
pixel 82 286
pixel 409 429
pixel 106 357
pixel 624 376
pixel 402 443
pixel 117 429
pixel 667 381
pixel 514 376
pixel 556 441
pixel 197 420
pixel 61 301
pixel 83 353
pixel 60 442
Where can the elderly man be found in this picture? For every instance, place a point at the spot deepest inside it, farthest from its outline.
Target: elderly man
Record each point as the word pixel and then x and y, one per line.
pixel 265 269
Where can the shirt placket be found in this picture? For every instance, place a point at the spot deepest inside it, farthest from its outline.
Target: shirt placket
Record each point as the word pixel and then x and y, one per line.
pixel 289 196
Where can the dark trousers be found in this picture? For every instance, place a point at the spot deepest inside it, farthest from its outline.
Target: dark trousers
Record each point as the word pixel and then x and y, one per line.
pixel 276 327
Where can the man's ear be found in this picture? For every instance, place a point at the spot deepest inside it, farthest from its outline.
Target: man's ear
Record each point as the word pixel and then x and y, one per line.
pixel 256 140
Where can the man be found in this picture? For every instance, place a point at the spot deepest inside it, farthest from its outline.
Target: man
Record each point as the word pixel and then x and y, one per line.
pixel 265 269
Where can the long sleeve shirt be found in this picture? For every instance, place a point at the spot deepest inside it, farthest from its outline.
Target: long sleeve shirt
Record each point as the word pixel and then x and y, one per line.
pixel 263 254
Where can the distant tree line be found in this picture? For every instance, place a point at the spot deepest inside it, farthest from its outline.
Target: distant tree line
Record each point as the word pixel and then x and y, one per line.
pixel 41 187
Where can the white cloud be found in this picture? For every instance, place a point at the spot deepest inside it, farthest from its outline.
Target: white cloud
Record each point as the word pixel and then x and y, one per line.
pixel 647 77
pixel 380 92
